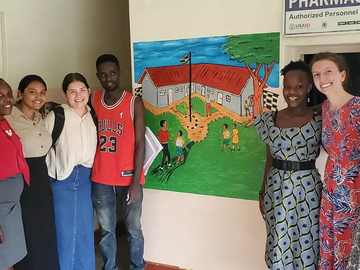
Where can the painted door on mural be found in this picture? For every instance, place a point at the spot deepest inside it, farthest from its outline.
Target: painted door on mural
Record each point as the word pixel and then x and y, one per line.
pixel 219 98
pixel 213 146
pixel 170 95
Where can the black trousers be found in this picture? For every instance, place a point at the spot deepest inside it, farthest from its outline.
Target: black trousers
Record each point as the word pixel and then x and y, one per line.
pixel 166 154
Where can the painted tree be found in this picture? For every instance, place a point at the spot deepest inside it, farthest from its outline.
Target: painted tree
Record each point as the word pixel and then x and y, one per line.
pixel 261 50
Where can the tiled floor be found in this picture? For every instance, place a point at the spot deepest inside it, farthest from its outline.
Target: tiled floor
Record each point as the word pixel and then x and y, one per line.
pixel 123 258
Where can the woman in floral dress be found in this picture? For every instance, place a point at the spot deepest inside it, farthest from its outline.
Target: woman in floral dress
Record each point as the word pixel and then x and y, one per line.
pixel 341 139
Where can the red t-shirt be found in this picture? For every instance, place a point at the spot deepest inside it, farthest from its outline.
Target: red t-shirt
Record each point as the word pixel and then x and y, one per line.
pixel 11 155
pixel 115 153
pixel 163 136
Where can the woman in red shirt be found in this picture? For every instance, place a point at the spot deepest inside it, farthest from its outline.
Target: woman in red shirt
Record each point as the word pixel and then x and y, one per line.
pixel 13 171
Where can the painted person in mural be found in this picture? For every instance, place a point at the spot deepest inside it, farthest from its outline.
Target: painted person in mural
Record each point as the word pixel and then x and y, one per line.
pixel 164 136
pixel 180 145
pixel 118 173
pixel 208 105
pixel 289 198
pixel 235 137
pixel 247 109
pixel 226 135
pixel 339 215
pixel 251 103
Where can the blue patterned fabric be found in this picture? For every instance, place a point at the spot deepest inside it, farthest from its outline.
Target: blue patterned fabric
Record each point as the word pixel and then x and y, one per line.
pixel 291 198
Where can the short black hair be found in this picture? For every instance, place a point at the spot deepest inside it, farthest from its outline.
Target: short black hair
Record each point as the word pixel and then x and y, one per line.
pixel 162 123
pixel 234 124
pixel 180 133
pixel 226 125
pixel 298 65
pixel 107 58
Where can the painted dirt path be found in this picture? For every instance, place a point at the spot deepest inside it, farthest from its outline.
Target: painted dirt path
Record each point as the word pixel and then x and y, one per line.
pixel 197 128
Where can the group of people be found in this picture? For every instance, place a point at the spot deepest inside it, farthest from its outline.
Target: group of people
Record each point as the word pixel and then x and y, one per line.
pixel 87 153
pixel 234 135
pixel 312 221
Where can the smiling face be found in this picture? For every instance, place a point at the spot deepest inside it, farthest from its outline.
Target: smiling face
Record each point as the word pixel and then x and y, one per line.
pixel 327 77
pixel 296 86
pixel 108 74
pixel 77 94
pixel 6 99
pixel 34 95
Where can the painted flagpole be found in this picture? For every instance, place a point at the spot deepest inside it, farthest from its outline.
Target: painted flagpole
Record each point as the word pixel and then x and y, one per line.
pixel 190 85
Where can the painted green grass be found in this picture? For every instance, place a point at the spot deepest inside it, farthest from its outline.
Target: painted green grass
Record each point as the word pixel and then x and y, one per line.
pixel 208 170
pixel 182 108
pixel 199 106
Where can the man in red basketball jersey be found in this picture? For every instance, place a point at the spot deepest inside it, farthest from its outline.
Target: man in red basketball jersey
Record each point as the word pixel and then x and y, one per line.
pixel 118 166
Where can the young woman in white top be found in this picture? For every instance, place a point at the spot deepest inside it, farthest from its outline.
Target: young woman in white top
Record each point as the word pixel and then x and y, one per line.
pixel 69 164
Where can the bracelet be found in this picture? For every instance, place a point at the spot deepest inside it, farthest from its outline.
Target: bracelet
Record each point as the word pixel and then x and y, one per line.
pixel 261 193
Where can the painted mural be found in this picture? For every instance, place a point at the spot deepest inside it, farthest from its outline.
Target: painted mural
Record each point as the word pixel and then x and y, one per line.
pixel 201 96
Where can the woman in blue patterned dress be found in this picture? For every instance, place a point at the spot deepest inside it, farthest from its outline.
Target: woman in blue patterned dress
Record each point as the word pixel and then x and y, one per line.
pixel 289 199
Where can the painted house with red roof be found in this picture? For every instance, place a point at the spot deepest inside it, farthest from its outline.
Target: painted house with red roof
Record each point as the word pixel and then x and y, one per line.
pixel 229 86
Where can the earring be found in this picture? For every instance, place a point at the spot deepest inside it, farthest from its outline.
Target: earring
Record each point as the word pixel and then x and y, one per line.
pixel 308 98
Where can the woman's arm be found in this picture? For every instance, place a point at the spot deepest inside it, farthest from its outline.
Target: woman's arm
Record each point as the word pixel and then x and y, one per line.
pixel 268 165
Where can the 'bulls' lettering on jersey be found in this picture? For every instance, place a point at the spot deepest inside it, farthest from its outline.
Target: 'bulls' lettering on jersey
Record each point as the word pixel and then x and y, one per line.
pixel 104 125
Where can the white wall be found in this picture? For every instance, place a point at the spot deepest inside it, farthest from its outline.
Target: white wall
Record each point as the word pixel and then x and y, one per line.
pixel 204 232
pixel 53 38
pixel 187 230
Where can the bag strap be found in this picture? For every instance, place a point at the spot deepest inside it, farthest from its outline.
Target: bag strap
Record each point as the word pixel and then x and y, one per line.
pixel 94 117
pixel 58 124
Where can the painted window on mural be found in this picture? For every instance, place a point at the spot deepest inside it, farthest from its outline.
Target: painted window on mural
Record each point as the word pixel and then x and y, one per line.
pixel 180 88
pixel 162 93
pixel 228 98
pixel 176 89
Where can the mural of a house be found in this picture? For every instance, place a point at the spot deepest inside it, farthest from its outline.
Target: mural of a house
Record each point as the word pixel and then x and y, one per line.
pixel 229 86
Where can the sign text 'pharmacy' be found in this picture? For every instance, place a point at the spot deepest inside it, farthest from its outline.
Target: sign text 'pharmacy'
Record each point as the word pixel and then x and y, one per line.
pixel 321 16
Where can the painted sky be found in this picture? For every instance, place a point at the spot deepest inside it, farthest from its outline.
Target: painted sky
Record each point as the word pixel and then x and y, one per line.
pixel 205 50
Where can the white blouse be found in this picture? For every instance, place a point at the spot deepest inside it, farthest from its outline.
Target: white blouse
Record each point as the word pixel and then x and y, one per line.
pixel 76 144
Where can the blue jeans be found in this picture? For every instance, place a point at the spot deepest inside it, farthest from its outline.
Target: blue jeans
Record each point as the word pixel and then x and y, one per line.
pixel 74 219
pixel 105 199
